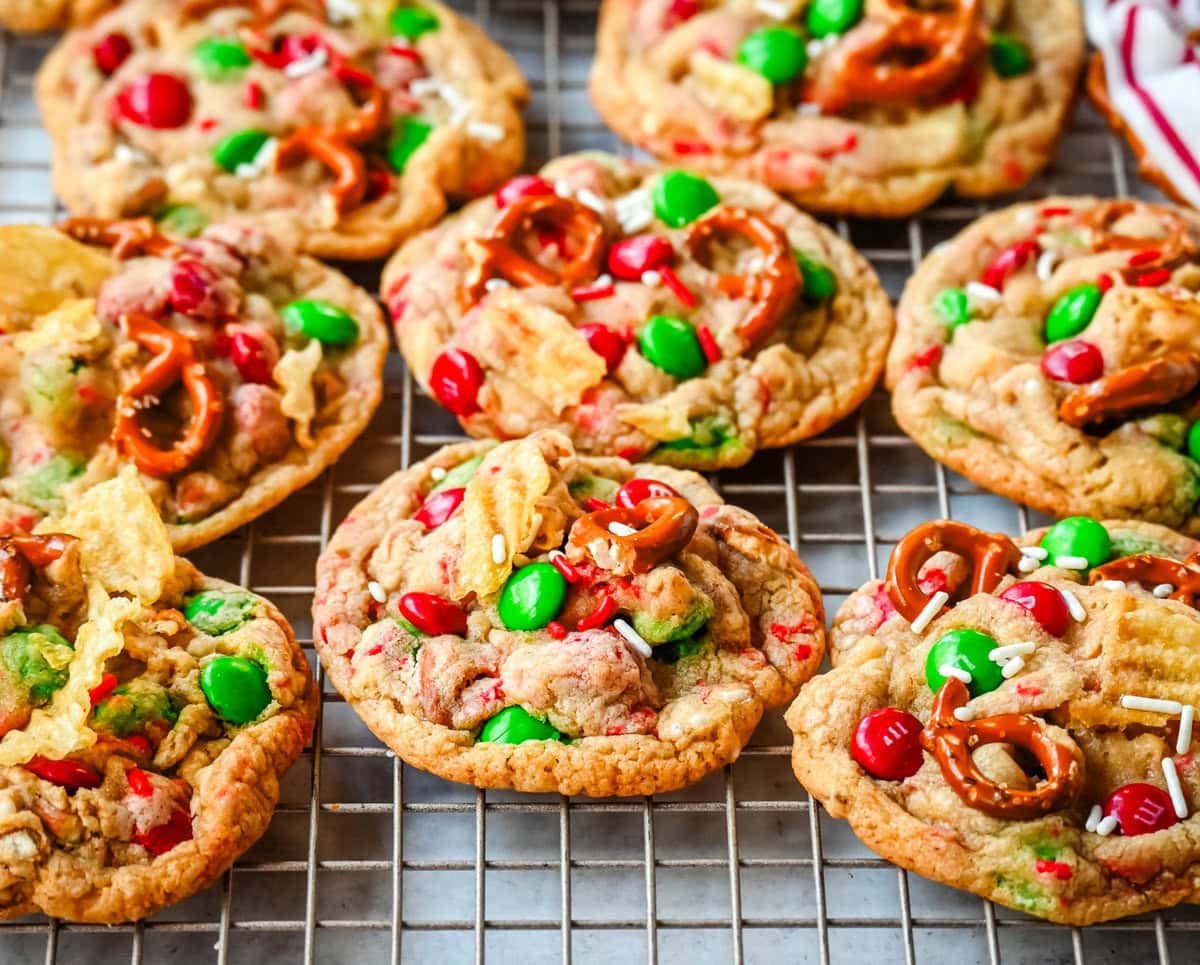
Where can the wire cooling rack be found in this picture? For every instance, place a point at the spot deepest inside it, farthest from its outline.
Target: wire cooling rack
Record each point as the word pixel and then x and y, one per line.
pixel 369 861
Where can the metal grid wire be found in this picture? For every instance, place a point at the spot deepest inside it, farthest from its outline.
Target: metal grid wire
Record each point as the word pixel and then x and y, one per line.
pixel 371 861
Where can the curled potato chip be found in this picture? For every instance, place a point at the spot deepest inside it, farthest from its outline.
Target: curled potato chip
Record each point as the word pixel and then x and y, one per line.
pixel 72 324
pixel 294 373
pixel 736 90
pixel 43 268
pixel 659 420
pixel 123 543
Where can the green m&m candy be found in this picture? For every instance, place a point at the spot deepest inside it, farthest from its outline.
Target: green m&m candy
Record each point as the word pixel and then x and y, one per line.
pixel 671 344
pixel 220 58
pixel 532 597
pixel 235 688
pixel 952 307
pixel 408 134
pixel 411 22
pixel 967 650
pixel 1193 441
pixel 827 17
pixel 1010 56
pixel 321 320
pixel 777 53
pixel 1078 537
pixel 515 725
pixel 1073 312
pixel 820 283
pixel 680 198
pixel 238 148
pixel 215 612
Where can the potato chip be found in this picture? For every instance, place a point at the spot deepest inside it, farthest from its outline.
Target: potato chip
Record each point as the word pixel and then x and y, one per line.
pixel 733 89
pixel 42 268
pixel 71 325
pixel 294 373
pixel 123 542
pixel 659 420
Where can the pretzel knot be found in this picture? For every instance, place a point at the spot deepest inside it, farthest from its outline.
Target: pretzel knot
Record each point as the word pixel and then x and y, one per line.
pixel 664 524
pixel 127 238
pixel 1170 249
pixel 336 148
pixel 1155 382
pixel 19 555
pixel 174 361
pixel 1183 576
pixel 952 742
pixel 875 60
pixel 991 556
pixel 773 288
pixel 500 252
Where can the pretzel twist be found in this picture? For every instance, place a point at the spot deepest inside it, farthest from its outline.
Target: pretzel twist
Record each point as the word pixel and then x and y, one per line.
pixel 1158 381
pixel 991 555
pixel 174 361
pixel 20 555
pixel 773 288
pixel 664 524
pixel 127 238
pixel 952 742
pixel 870 65
pixel 1173 248
pixel 1150 570
pixel 497 254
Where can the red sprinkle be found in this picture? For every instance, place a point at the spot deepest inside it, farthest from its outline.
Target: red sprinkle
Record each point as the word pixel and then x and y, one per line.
pixel 254 98
pixel 599 616
pixel 563 565
pixel 708 344
pixel 139 782
pixel 1144 257
pixel 207 124
pixel 408 53
pixel 672 281
pixel 1053 211
pixel 926 359
pixel 556 630
pixel 1059 870
pixel 108 683
pixel 595 503
pixel 593 292
pixel 1104 283
pixel 1152 279
pixel 691 147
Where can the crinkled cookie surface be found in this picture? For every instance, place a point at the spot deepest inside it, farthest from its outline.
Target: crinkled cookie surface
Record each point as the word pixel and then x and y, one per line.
pixel 834 104
pixel 496 618
pixel 1094 671
pixel 342 129
pixel 648 314
pixel 1051 351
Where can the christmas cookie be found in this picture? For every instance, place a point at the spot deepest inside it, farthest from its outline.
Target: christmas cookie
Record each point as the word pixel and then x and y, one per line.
pixel 32 15
pixel 228 371
pixel 869 108
pixel 521 616
pixel 647 313
pixel 340 127
pixel 148 713
pixel 1016 719
pixel 1051 352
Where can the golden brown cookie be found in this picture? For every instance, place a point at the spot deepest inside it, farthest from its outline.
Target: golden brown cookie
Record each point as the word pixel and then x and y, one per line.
pixel 647 313
pixel 520 616
pixel 229 371
pixel 33 15
pixel 341 129
pixel 1050 352
pixel 1015 720
pixel 148 715
pixel 869 109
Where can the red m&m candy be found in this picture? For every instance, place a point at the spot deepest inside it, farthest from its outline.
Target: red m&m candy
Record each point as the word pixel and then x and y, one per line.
pixel 161 839
pixel 111 52
pixel 606 343
pixel 432 615
pixel 887 744
pixel 68 774
pixel 522 186
pixel 439 507
pixel 1044 603
pixel 455 381
pixel 1009 259
pixel 634 491
pixel 156 100
pixel 1140 809
pixel 251 358
pixel 1074 361
pixel 629 258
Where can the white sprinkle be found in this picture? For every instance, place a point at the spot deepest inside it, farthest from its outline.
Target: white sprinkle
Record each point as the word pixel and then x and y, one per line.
pixel 1028 564
pixel 341 11
pixel 932 609
pixel 982 293
pixel 808 109
pixel 377 592
pixel 306 65
pixel 1186 717
pixel 774 9
pixel 1046 263
pixel 495 284
pixel 1078 613
pixel 1035 552
pixel 634 210
pixel 482 131
pixel 438 473
pixel 632 637
pixel 1174 788
pixel 620 529
pixel 562 187
pixel 1007 652
pixel 964 714
pixel 592 200
pixel 1106 825
pixel 949 670
pixel 424 85
pixel 1152 705
pixel 128 155
pixel 1012 667
pixel 1112 584
pixel 651 278
pixel 1071 562
pixel 1163 590
pixel 499 549
pixel 1093 818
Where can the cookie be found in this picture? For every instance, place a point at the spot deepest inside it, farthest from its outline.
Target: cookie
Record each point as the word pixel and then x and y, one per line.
pixel 341 133
pixel 229 371
pixel 148 714
pixel 1049 353
pixel 871 109
pixel 521 616
pixel 27 16
pixel 648 314
pixel 1015 719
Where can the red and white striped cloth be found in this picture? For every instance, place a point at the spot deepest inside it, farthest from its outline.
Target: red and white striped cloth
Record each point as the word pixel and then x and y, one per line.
pixel 1154 79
